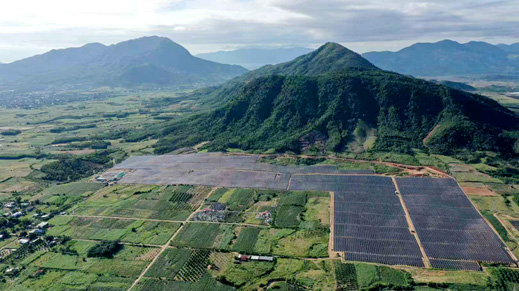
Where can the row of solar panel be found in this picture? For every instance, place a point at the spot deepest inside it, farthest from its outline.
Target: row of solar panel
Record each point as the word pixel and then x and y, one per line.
pixel 388 260
pixel 447 224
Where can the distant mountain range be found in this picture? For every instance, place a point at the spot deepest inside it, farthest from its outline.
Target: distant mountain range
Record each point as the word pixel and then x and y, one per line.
pixel 253 58
pixel 449 58
pixel 148 61
pixel 332 99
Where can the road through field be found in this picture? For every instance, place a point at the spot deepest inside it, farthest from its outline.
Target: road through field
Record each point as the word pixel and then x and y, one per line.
pixel 167 220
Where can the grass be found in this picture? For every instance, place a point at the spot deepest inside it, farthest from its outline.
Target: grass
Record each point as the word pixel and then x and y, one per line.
pixel 205 283
pixel 317 210
pixel 293 198
pixel 303 243
pixel 134 231
pixel 197 235
pixel 421 275
pixel 144 201
pixel 369 275
pixel 287 216
pixel 268 238
pixel 126 263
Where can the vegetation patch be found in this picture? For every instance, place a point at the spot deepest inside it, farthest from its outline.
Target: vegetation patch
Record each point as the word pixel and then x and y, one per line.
pixel 104 249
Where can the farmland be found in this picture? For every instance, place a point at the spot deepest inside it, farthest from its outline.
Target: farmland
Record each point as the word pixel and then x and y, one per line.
pixel 164 215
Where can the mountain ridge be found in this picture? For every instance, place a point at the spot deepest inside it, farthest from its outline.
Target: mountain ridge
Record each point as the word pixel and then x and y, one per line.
pixel 128 63
pixel 446 58
pixel 276 108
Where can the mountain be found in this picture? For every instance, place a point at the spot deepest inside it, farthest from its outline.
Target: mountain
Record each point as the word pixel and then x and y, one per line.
pixel 253 58
pixel 328 58
pixel 154 61
pixel 511 48
pixel 456 85
pixel 446 58
pixel 333 99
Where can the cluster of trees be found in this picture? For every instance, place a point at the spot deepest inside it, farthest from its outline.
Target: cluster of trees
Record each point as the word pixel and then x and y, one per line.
pixel 10 132
pixel 70 168
pixel 71 128
pixel 104 249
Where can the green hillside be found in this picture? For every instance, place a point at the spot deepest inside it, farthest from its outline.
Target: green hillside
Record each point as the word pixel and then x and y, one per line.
pixel 308 104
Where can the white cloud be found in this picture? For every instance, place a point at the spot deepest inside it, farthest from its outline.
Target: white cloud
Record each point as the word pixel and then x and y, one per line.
pixel 34 26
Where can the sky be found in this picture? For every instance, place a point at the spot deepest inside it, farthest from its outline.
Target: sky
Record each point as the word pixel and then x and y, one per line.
pixel 29 27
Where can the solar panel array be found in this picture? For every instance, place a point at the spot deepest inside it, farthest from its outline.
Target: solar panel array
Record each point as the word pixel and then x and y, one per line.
pixel 370 223
pixel 455 265
pixel 515 223
pixel 387 260
pixel 448 225
pixel 215 169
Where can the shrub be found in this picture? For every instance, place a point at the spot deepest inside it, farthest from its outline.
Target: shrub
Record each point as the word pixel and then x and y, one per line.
pixel 104 249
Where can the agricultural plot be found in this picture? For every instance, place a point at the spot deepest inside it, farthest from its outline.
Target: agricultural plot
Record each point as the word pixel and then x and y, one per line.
pixel 370 224
pixel 75 271
pixel 214 236
pixel 284 274
pixel 181 265
pixel 206 283
pixel 282 209
pixel 346 277
pixel 448 225
pixel 144 201
pixel 66 194
pixel 133 231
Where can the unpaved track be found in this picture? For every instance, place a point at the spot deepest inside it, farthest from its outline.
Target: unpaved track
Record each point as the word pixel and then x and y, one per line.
pixel 425 258
pixel 166 245
pixel 166 220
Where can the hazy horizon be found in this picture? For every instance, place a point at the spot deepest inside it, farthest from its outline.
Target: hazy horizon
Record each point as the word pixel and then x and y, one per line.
pixel 29 27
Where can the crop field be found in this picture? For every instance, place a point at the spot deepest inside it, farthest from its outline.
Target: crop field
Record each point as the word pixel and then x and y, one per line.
pixel 191 233
pixel 76 271
pixel 142 201
pixel 447 223
pixel 133 231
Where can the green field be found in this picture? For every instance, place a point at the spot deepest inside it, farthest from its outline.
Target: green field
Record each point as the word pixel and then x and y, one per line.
pixel 152 202
pixel 133 231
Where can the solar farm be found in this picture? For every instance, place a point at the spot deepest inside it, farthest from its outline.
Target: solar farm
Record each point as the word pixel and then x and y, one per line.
pixel 421 222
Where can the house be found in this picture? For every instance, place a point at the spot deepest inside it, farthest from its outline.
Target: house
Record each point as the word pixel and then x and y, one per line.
pixel 42 225
pixel 245 258
pixel 37 231
pixel 24 241
pixel 17 214
pixel 11 271
pixel 9 204
pixel 45 217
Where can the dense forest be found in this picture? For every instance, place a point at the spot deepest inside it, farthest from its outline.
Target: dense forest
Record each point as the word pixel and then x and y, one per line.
pixel 277 112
